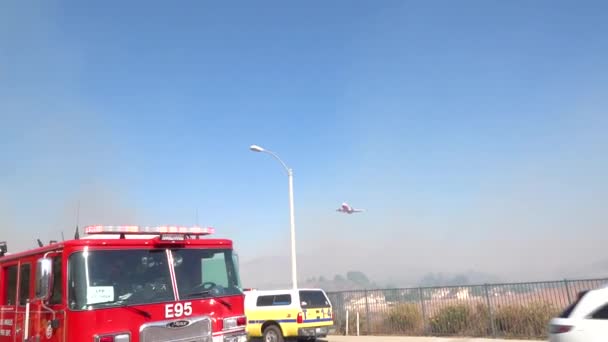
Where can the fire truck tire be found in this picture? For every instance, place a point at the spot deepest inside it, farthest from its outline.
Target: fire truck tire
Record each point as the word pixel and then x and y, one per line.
pixel 272 333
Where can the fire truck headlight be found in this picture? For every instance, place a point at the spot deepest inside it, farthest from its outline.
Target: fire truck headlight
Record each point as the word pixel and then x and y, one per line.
pixel 122 337
pixel 234 322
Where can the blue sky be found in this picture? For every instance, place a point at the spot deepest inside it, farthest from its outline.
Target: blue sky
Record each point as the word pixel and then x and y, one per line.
pixel 455 123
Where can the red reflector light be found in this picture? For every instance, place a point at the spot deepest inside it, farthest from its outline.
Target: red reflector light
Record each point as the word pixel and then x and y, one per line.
pixel 107 338
pixel 560 329
pixel 300 318
pixel 241 321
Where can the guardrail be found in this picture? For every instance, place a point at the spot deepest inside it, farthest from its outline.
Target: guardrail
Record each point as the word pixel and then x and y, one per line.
pixel 516 310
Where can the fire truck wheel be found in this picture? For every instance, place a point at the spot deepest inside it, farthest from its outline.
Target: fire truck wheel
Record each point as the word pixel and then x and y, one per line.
pixel 272 333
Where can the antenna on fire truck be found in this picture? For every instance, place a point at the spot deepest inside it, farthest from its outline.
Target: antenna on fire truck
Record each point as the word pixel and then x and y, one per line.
pixel 77 234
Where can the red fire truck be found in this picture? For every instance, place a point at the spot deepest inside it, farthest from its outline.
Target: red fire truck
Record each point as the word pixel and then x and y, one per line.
pixel 124 283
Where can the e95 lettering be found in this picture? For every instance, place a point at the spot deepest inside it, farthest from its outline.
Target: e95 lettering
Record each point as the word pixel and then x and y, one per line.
pixel 178 310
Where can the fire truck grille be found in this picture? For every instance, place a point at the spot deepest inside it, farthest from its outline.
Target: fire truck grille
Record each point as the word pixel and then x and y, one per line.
pixel 193 329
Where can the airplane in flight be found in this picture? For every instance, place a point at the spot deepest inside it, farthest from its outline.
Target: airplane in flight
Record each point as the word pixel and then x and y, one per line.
pixel 347 209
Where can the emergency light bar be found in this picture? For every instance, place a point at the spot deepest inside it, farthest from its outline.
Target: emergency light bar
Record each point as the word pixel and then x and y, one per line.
pixel 149 230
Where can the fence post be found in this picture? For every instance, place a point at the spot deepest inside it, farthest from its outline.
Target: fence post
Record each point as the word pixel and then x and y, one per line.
pixel 367 316
pixel 491 314
pixel 568 291
pixel 339 308
pixel 424 322
pixel 346 330
pixel 357 322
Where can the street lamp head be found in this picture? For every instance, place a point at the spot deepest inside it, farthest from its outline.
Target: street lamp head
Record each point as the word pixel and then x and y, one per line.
pixel 256 148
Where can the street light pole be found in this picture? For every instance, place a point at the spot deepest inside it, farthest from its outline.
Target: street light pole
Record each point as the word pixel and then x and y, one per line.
pixel 294 277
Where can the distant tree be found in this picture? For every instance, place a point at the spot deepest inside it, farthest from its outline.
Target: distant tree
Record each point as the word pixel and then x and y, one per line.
pixel 439 279
pixel 391 286
pixel 458 280
pixel 311 280
pixel 357 277
pixel 431 279
pixel 338 278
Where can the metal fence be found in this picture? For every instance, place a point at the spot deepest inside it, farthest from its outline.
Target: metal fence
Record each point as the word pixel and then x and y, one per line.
pixel 492 310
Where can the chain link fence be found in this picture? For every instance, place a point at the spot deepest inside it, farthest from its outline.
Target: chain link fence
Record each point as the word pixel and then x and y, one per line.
pixel 518 310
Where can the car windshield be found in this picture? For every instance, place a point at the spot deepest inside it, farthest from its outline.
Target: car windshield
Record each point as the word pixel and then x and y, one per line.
pixel 110 278
pixel 568 311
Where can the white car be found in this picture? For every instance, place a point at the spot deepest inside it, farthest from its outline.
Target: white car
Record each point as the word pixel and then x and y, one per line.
pixel 586 320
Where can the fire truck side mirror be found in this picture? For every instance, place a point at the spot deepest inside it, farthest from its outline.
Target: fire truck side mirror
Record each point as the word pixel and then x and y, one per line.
pixel 44 278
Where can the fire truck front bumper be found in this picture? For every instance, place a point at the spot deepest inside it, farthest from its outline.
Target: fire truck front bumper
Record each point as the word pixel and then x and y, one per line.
pixel 191 329
pixel 231 337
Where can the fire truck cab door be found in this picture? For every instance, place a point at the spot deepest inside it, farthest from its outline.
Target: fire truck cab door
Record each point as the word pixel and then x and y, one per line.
pixel 8 301
pixel 16 291
pixel 41 327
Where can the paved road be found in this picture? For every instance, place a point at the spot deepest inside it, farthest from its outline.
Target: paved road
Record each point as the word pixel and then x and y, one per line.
pixel 409 339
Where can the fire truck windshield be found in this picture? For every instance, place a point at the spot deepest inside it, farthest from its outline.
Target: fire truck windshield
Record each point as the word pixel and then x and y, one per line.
pixel 110 278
